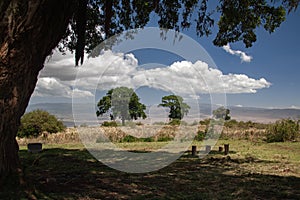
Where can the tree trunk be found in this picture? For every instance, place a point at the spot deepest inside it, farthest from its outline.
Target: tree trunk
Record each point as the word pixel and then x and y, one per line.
pixel 29 30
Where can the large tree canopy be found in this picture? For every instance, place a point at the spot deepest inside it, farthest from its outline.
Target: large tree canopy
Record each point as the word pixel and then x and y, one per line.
pixel 237 20
pixel 177 107
pixel 31 29
pixel 122 102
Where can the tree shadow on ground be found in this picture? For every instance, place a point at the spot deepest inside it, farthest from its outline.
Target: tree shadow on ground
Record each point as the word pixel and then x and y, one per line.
pixel 75 174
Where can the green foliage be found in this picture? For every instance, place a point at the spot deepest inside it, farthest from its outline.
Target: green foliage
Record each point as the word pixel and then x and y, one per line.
pixel 205 122
pixel 38 121
pixel 244 125
pixel 164 139
pixel 130 138
pixel 237 20
pixel 121 102
pixel 139 123
pixel 148 139
pixel 175 122
pixel 177 107
pixel 231 123
pixel 109 124
pixel 283 130
pixel 200 136
pixel 222 113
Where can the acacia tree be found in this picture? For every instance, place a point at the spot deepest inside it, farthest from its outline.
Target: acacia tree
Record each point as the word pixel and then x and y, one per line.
pixel 121 102
pixel 222 113
pixel 30 29
pixel 177 107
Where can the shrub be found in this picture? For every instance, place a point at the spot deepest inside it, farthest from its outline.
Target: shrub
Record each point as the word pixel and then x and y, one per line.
pixel 205 122
pixel 231 123
pixel 38 121
pixel 129 138
pixel 164 139
pixel 244 125
pixel 148 139
pixel 175 122
pixel 109 124
pixel 283 130
pixel 139 123
pixel 200 136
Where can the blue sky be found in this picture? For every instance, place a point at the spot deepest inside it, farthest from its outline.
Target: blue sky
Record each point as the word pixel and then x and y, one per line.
pixel 275 58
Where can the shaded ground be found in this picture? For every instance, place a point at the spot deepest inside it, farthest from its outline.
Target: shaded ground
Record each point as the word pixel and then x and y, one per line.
pixel 59 173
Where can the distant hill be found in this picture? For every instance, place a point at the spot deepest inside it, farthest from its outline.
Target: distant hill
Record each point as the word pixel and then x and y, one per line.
pixel 63 111
pixel 263 114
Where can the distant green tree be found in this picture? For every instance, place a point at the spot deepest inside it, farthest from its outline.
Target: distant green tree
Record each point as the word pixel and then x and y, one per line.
pixel 222 113
pixel 38 121
pixel 177 107
pixel 121 102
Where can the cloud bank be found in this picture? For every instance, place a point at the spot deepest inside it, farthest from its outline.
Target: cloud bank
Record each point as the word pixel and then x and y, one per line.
pixel 111 70
pixel 243 56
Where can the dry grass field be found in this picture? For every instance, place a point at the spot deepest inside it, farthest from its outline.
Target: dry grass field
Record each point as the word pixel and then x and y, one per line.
pixel 253 169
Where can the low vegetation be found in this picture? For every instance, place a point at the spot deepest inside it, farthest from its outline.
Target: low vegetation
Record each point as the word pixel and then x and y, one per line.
pixel 253 169
pixel 200 135
pixel 36 122
pixel 109 124
pixel 244 125
pixel 175 122
pixel 250 171
pixel 130 138
pixel 282 131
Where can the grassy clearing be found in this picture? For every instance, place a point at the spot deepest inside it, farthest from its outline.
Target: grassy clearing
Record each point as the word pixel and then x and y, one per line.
pixel 266 158
pixel 250 171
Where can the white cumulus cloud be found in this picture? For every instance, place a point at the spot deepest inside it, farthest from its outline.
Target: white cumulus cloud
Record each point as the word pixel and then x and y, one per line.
pixel 51 86
pixel 110 70
pixel 243 56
